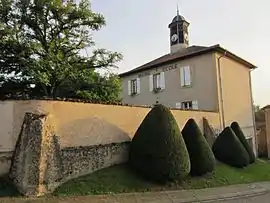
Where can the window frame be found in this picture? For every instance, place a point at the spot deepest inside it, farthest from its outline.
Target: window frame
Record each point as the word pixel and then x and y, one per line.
pixel 156 81
pixel 133 87
pixel 186 103
pixel 183 76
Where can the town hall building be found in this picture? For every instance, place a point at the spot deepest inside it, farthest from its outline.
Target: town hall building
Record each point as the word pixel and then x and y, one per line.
pixel 205 78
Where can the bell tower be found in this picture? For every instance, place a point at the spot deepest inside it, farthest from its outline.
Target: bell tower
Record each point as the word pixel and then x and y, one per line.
pixel 178 33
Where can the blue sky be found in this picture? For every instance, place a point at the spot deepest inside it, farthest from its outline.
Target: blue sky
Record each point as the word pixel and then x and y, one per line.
pixel 139 30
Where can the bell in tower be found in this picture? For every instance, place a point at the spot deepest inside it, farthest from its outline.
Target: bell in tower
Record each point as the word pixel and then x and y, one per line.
pixel 178 33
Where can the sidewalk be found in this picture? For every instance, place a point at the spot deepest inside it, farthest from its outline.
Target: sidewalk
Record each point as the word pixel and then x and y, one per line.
pixel 182 196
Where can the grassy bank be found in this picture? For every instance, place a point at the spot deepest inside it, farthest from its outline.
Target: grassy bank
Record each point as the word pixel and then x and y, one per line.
pixel 119 179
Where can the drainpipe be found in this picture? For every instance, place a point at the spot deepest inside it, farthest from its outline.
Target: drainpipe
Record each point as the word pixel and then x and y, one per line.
pixel 255 141
pixel 221 93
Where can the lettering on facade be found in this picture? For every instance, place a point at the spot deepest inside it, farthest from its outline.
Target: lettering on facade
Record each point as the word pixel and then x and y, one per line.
pixel 143 74
pixel 170 67
pixel 164 69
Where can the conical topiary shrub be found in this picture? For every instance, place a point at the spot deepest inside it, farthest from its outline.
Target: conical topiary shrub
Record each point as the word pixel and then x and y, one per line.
pixel 228 149
pixel 239 133
pixel 158 151
pixel 201 156
pixel 208 132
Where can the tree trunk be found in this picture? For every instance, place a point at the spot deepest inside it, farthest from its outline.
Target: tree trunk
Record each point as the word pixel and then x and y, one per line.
pixel 44 87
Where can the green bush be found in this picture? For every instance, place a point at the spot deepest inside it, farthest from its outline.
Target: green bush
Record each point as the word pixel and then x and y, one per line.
pixel 158 151
pixel 239 133
pixel 228 149
pixel 201 156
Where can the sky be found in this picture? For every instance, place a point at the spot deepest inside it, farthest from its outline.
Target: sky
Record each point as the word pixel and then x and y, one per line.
pixel 139 30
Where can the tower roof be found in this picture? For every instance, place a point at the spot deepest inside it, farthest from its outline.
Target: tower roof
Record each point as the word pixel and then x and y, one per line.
pixel 178 18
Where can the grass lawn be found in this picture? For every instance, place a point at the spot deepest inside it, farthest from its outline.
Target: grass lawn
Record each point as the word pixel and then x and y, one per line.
pixel 119 179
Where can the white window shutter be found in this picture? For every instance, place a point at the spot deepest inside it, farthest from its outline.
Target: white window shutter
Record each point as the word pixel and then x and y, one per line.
pixel 150 83
pixel 182 76
pixel 129 87
pixel 178 105
pixel 158 80
pixel 162 80
pixel 187 75
pixel 138 85
pixel 195 105
pixel 183 105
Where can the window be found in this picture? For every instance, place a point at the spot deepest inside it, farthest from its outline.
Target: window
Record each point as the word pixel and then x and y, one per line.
pixel 190 105
pixel 187 105
pixel 133 87
pixel 185 75
pixel 156 81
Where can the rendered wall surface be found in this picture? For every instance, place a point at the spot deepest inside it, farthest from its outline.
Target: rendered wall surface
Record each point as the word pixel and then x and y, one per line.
pixel 83 127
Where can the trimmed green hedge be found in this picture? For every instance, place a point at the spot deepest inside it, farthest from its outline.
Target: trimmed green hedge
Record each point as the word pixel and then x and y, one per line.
pixel 228 149
pixel 201 156
pixel 239 133
pixel 158 151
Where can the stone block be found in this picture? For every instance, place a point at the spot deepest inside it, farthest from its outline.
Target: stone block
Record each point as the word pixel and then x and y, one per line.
pixel 36 164
pixel 208 132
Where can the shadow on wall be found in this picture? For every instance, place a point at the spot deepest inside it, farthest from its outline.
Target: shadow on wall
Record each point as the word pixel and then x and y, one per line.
pixel 39 165
pixel 90 131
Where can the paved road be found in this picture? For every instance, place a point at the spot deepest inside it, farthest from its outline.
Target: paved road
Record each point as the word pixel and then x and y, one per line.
pixel 257 199
pixel 167 196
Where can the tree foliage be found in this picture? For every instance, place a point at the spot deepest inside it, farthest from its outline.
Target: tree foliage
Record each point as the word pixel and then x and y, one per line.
pixel 158 151
pixel 201 156
pixel 228 149
pixel 43 41
pixel 239 133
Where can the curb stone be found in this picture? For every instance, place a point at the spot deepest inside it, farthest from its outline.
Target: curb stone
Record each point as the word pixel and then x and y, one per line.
pixel 211 198
pixel 176 196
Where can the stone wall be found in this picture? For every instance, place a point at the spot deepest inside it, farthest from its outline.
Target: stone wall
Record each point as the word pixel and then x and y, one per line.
pixel 267 129
pixel 83 124
pixel 36 167
pixel 262 142
pixel 55 141
pixel 39 165
pixel 77 161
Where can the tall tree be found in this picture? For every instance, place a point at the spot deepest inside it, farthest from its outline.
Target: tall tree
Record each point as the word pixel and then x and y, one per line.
pixel 46 39
pixel 97 88
pixel 13 50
